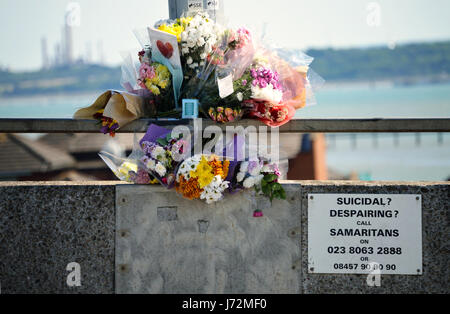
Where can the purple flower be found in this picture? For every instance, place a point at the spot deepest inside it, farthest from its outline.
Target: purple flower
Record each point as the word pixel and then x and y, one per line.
pixel 244 82
pixel 142 177
pixel 145 160
pixel 263 84
pixel 114 127
pixel 148 148
pixel 252 165
pixel 264 76
pixel 104 130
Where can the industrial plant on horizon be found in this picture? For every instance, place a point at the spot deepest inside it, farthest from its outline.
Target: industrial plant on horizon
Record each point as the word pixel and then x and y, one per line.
pixel 64 50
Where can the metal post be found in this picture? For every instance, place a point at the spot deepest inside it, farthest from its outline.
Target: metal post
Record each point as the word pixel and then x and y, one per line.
pixel 215 8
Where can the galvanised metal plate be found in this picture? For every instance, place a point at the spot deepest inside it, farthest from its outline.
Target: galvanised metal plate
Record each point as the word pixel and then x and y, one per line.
pixel 166 244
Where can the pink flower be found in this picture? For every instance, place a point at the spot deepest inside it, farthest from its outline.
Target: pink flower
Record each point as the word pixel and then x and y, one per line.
pixel 229 114
pixel 146 72
pixel 245 37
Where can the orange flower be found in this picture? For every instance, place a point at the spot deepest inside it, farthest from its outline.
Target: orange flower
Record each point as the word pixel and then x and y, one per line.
pixel 219 168
pixel 226 168
pixel 189 189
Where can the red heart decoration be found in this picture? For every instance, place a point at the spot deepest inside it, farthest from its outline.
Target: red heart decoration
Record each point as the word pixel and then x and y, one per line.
pixel 165 49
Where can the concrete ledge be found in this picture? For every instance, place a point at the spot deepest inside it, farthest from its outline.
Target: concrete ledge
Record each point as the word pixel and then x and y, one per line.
pixel 46 227
pixel 194 249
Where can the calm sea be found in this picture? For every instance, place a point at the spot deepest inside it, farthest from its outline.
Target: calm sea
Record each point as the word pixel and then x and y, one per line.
pixel 385 157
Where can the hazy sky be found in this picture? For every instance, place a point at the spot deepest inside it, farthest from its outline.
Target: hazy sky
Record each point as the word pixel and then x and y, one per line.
pixel 291 23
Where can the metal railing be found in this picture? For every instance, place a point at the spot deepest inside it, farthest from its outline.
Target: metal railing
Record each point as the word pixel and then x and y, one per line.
pixel 377 125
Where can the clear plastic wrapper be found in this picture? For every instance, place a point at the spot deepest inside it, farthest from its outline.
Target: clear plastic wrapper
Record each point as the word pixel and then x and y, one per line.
pixel 162 154
pixel 252 81
pixel 128 169
pixel 213 85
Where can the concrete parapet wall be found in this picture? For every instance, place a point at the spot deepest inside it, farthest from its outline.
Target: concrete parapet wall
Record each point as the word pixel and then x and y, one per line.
pixel 45 227
pixel 145 239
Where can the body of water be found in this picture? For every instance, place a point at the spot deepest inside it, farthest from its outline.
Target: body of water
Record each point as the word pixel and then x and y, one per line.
pixel 405 157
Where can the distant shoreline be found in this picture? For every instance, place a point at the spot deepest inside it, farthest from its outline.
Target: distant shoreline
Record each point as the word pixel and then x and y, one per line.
pixel 386 83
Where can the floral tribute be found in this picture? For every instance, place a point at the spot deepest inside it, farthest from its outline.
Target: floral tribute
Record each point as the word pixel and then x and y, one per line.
pixel 159 158
pixel 229 70
pixel 109 126
pixel 203 177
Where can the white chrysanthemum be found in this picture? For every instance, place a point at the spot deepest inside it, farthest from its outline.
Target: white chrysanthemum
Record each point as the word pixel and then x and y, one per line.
pixel 267 169
pixel 158 152
pixel 200 41
pixel 189 60
pixel 256 171
pixel 208 48
pixel 244 166
pixel 193 65
pixel 240 176
pixel 258 179
pixel 160 170
pixel 268 93
pixel 190 43
pixel 213 192
pixel 187 166
pixel 151 164
pixel 240 96
pixel 249 183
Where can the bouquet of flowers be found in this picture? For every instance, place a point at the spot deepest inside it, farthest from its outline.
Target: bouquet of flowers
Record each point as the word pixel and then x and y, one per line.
pixel 197 37
pixel 113 110
pixel 230 73
pixel 161 158
pixel 262 176
pixel 162 154
pixel 203 177
pixel 157 80
pixel 128 169
pixel 108 125
pixel 241 78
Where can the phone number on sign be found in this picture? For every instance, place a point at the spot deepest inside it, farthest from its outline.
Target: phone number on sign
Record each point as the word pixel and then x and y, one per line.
pixel 365 250
pixel 366 267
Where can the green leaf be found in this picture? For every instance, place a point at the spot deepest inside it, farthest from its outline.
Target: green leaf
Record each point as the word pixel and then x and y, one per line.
pixel 276 187
pixel 266 190
pixel 282 194
pixel 162 141
pixel 270 178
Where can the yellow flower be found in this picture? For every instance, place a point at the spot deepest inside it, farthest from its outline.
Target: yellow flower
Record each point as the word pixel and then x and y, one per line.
pixel 174 29
pixel 123 172
pixel 163 84
pixel 160 80
pixel 184 21
pixel 204 173
pixel 153 88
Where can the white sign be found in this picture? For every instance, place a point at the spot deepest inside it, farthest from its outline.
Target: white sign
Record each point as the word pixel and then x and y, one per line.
pixel 195 5
pixel 360 234
pixel 212 5
pixel 225 86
